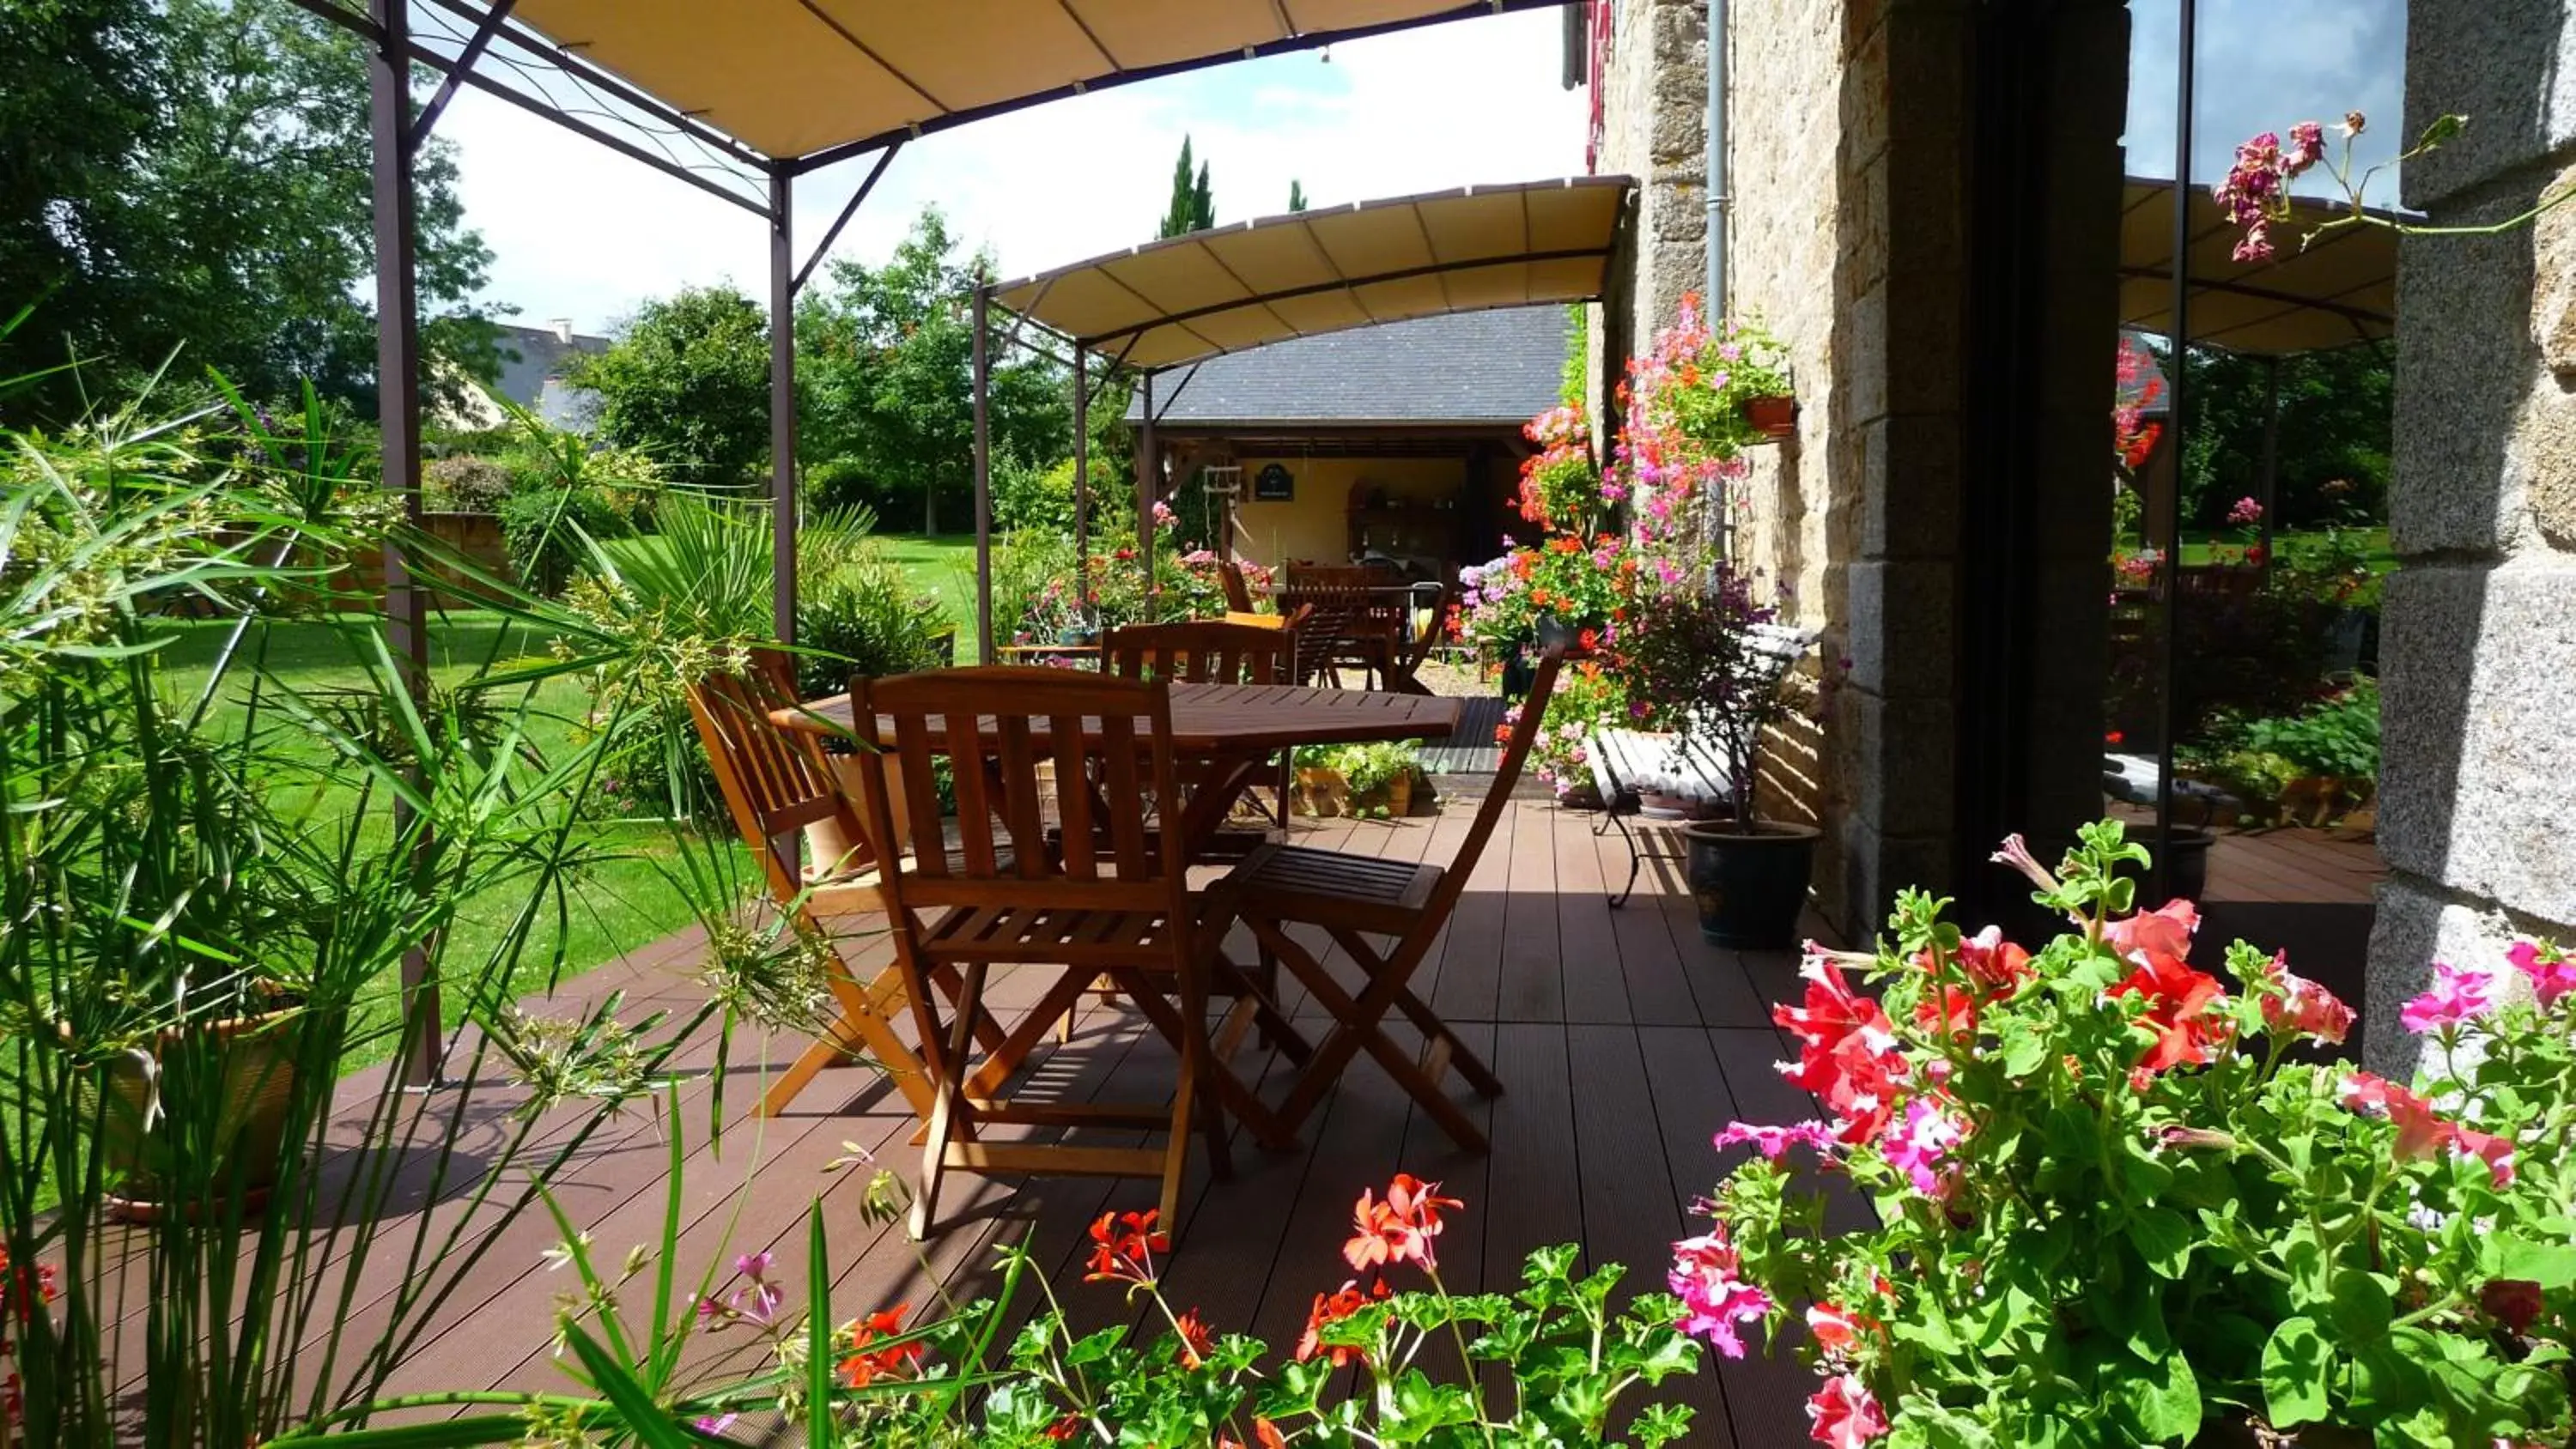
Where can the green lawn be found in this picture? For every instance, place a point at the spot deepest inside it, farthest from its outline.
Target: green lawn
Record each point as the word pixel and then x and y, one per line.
pixel 2199 544
pixel 620 902
pixel 943 564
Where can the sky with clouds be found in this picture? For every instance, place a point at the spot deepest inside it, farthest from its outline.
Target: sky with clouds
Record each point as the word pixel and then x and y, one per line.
pixel 580 232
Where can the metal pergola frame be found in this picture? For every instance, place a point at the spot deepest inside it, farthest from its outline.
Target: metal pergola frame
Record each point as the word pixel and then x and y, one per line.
pixel 398 132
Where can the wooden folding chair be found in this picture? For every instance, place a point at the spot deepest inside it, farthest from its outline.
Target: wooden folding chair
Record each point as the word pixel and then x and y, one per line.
pixel 1110 897
pixel 1355 897
pixel 818 863
pixel 1238 594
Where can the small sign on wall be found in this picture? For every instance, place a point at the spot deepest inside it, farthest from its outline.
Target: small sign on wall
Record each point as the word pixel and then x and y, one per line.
pixel 1274 484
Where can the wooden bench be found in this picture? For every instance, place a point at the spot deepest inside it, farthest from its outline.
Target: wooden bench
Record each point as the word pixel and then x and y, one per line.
pixel 1629 764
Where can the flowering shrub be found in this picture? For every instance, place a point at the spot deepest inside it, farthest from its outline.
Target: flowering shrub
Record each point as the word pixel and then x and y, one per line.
pixel 2255 193
pixel 1561 1357
pixel 1587 697
pixel 1575 580
pixel 2118 1198
pixel 1685 645
pixel 1561 486
pixel 1684 433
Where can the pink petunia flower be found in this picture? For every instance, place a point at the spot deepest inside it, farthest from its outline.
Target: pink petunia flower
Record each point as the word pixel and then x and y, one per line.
pixel 1775 1142
pixel 1714 1298
pixel 2550 972
pixel 2304 1008
pixel 1917 1147
pixel 2457 996
pixel 1844 1415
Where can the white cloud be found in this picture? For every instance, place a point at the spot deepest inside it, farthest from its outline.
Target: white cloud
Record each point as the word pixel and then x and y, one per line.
pixel 581 232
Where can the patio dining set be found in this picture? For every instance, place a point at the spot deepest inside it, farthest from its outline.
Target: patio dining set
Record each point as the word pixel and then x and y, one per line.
pixel 1096 834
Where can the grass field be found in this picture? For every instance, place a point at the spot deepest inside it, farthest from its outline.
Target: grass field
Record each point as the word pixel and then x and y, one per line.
pixel 943 564
pixel 2200 544
pixel 621 901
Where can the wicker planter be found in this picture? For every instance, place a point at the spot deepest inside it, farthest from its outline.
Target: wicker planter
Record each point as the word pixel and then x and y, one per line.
pixel 255 1062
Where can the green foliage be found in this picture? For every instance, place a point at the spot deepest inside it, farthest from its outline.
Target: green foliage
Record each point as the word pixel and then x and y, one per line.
pixel 197 172
pixel 1193 206
pixel 864 615
pixel 1574 385
pixel 839 483
pixel 1027 496
pixel 2116 1198
pixel 464 483
pixel 199 847
pixel 687 381
pixel 2338 736
pixel 885 362
pixel 2334 441
pixel 1563 1361
pixel 1296 196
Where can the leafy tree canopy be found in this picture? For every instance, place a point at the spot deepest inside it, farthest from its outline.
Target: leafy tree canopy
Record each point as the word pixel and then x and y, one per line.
pixel 885 355
pixel 2336 410
pixel 1193 206
pixel 687 382
pixel 193 174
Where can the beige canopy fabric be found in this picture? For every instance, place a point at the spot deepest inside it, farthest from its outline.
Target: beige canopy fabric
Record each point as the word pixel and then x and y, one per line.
pixel 2338 292
pixel 1226 289
pixel 794 77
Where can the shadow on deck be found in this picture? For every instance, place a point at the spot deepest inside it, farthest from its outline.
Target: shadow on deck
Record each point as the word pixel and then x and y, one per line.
pixel 1624 1043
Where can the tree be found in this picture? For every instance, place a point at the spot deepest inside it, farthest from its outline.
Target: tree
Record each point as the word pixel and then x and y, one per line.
pixel 886 354
pixel 2333 440
pixel 687 382
pixel 1296 196
pixel 1193 206
pixel 193 174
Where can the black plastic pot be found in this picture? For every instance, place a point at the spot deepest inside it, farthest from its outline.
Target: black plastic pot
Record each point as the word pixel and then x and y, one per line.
pixel 1518 675
pixel 2187 872
pixel 1556 633
pixel 1750 886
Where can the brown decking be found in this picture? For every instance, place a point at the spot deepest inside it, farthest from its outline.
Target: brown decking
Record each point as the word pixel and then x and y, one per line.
pixel 1624 1042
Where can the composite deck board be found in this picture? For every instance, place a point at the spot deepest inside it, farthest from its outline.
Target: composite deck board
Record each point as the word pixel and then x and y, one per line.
pixel 1623 1042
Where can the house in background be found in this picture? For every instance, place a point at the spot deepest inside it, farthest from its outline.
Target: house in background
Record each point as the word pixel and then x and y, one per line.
pixel 1400 442
pixel 535 362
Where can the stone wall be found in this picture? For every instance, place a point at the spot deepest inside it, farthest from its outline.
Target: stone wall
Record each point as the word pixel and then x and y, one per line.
pixel 1654 129
pixel 1851 236
pixel 2478 643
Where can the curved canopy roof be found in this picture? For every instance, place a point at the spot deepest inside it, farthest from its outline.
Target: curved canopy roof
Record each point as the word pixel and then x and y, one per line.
pixel 1233 287
pixel 792 78
pixel 2338 292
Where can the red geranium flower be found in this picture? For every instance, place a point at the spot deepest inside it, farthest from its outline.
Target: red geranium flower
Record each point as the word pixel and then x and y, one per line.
pixel 1332 1308
pixel 1196 1342
pixel 1400 1228
pixel 1124 1245
pixel 863 1367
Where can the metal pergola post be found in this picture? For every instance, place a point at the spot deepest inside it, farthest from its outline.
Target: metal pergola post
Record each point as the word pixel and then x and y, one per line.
pixel 783 277
pixel 1081 479
pixel 2187 30
pixel 1149 462
pixel 983 474
pixel 398 415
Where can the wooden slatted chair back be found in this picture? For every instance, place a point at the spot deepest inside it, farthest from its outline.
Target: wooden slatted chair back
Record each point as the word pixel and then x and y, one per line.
pixel 1238 594
pixel 1498 798
pixel 1200 652
pixel 1109 741
pixel 775 781
pixel 1340 576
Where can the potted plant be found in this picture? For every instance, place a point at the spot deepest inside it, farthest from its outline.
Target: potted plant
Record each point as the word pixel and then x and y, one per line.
pixel 1370 781
pixel 1688 651
pixel 1587 698
pixel 2118 1200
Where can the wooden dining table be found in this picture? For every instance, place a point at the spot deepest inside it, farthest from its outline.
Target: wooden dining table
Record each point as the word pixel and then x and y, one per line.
pixel 1232 729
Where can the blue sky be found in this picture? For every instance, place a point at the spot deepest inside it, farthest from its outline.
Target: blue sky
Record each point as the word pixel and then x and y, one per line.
pixel 581 233
pixel 2265 64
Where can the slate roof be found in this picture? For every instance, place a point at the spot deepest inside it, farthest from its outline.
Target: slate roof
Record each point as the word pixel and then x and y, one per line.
pixel 1500 366
pixel 533 363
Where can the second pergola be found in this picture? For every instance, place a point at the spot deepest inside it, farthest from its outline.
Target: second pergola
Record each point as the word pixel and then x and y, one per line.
pixel 1167 307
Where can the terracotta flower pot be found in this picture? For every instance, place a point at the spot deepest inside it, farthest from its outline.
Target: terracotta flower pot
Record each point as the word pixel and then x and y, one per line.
pixel 1773 417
